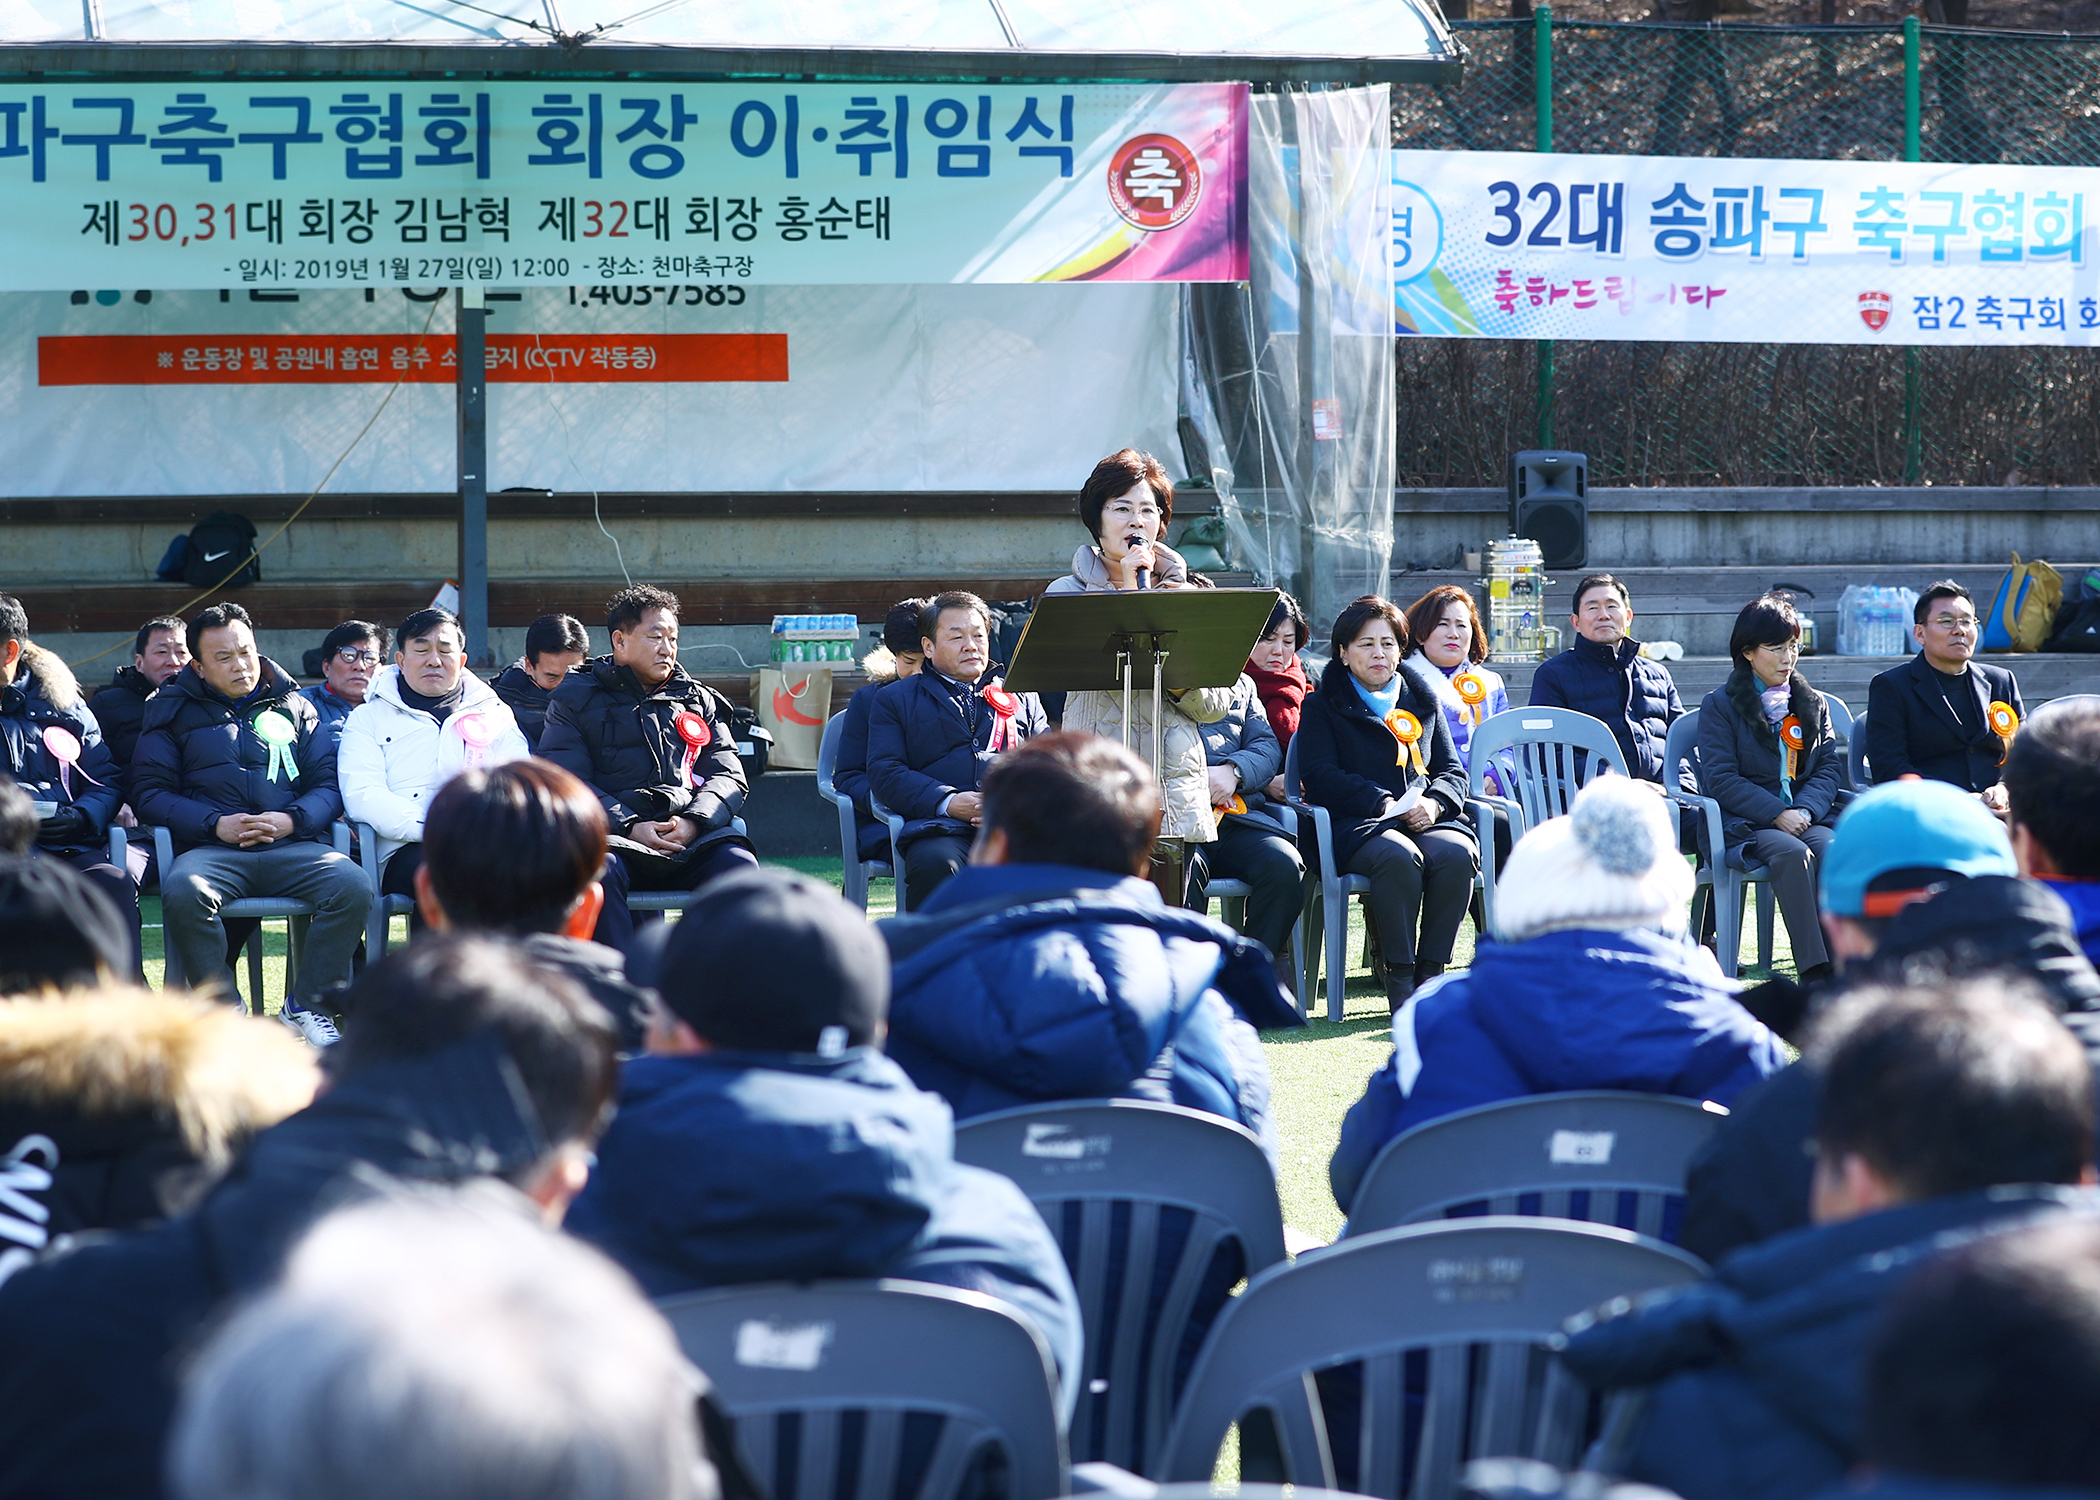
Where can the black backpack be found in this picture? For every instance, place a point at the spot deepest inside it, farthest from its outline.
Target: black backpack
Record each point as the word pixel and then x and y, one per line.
pixel 216 545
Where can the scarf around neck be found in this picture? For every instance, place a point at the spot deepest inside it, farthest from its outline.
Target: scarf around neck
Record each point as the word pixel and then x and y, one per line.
pixel 1384 700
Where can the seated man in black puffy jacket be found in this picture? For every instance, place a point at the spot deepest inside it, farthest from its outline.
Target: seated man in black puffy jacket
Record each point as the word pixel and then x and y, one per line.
pixel 239 769
pixel 555 646
pixel 765 1137
pixel 658 748
pixel 158 652
pixel 931 736
pixel 52 746
pixel 1604 675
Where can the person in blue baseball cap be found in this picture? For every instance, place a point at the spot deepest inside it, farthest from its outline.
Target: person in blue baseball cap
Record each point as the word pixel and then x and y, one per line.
pixel 1920 880
pixel 1901 843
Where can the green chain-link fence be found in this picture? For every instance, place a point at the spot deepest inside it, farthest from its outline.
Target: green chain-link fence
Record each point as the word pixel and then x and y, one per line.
pixel 1658 414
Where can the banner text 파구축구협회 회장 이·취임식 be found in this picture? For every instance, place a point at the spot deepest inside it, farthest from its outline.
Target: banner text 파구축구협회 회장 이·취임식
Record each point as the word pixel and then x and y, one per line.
pixel 1511 244
pixel 418 183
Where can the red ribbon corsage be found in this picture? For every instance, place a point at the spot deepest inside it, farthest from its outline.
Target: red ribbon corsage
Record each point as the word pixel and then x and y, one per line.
pixel 698 734
pixel 1004 706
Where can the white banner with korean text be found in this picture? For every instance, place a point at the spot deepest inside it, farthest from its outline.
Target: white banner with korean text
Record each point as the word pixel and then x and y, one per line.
pixel 1524 245
pixel 391 183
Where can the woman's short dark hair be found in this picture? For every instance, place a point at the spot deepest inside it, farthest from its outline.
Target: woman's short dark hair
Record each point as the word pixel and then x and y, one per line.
pixel 1350 623
pixel 556 634
pixel 1287 609
pixel 624 610
pixel 425 623
pixel 1072 799
pixel 1427 612
pixel 219 616
pixel 904 626
pixel 1116 475
pixel 512 848
pixel 1770 620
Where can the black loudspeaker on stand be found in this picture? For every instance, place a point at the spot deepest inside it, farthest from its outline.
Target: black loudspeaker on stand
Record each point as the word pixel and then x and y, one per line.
pixel 1549 502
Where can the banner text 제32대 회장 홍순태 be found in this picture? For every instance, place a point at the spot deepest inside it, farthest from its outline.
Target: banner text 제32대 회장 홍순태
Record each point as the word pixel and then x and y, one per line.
pixel 397 183
pixel 1523 245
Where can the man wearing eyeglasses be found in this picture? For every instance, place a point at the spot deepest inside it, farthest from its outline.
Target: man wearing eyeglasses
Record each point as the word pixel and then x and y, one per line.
pixel 350 659
pixel 1943 715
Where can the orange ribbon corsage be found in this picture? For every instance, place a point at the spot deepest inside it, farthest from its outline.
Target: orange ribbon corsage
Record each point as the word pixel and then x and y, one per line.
pixel 1472 692
pixel 1407 729
pixel 2004 724
pixel 1794 737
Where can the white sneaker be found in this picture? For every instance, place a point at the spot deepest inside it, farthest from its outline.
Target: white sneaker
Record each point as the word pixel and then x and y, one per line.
pixel 311 1024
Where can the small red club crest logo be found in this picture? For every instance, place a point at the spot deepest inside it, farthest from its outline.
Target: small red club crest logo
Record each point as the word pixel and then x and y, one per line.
pixel 1874 310
pixel 1154 181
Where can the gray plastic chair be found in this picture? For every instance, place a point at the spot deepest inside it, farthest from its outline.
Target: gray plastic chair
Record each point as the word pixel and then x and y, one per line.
pixel 1856 768
pixel 297 916
pixel 385 908
pixel 895 821
pixel 1325 921
pixel 910 1389
pixel 858 871
pixel 1541 758
pixel 1726 877
pixel 1448 1323
pixel 1138 1195
pixel 1599 1156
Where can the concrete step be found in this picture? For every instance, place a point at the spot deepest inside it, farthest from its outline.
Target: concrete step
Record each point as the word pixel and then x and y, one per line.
pixel 1696 606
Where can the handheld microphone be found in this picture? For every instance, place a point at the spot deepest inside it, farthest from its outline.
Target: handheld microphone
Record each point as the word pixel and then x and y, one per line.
pixel 1144 575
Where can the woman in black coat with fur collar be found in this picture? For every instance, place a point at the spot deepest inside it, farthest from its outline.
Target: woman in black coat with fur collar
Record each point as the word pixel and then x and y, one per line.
pixel 1779 803
pixel 1399 806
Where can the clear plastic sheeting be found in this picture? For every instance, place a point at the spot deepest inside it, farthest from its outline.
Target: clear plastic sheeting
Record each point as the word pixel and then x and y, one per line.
pixel 1287 381
pixel 1383 31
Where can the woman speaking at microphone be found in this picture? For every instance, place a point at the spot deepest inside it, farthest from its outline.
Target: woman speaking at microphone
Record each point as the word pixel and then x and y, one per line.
pixel 1125 506
pixel 1374 750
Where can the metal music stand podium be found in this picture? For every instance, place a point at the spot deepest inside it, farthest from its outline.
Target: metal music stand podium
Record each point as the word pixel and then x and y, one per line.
pixel 1191 638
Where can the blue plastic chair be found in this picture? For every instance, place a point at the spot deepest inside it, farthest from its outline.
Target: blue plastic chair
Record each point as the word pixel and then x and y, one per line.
pixel 858 871
pixel 878 1390
pixel 1726 878
pixel 1600 1156
pixel 1324 924
pixel 1541 758
pixel 1149 1202
pixel 379 925
pixel 1449 1326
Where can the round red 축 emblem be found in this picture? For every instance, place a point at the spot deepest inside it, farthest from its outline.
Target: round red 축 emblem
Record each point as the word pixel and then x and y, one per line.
pixel 1154 181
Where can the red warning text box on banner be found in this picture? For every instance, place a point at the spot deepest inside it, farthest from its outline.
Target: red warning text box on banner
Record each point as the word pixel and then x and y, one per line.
pixel 336 359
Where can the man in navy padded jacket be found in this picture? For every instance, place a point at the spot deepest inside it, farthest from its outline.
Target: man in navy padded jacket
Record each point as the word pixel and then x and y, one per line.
pixel 1604 675
pixel 240 770
pixel 763 1136
pixel 1049 968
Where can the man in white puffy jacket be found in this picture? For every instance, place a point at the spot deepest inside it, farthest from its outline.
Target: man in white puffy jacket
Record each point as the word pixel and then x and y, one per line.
pixel 424 719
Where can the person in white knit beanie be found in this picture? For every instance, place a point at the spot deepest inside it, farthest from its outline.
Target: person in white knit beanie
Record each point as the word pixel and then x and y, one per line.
pixel 1591 983
pixel 1611 864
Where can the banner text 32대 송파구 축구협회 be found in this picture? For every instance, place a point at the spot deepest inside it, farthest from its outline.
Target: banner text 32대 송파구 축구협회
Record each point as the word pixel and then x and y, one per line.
pixel 1509 244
